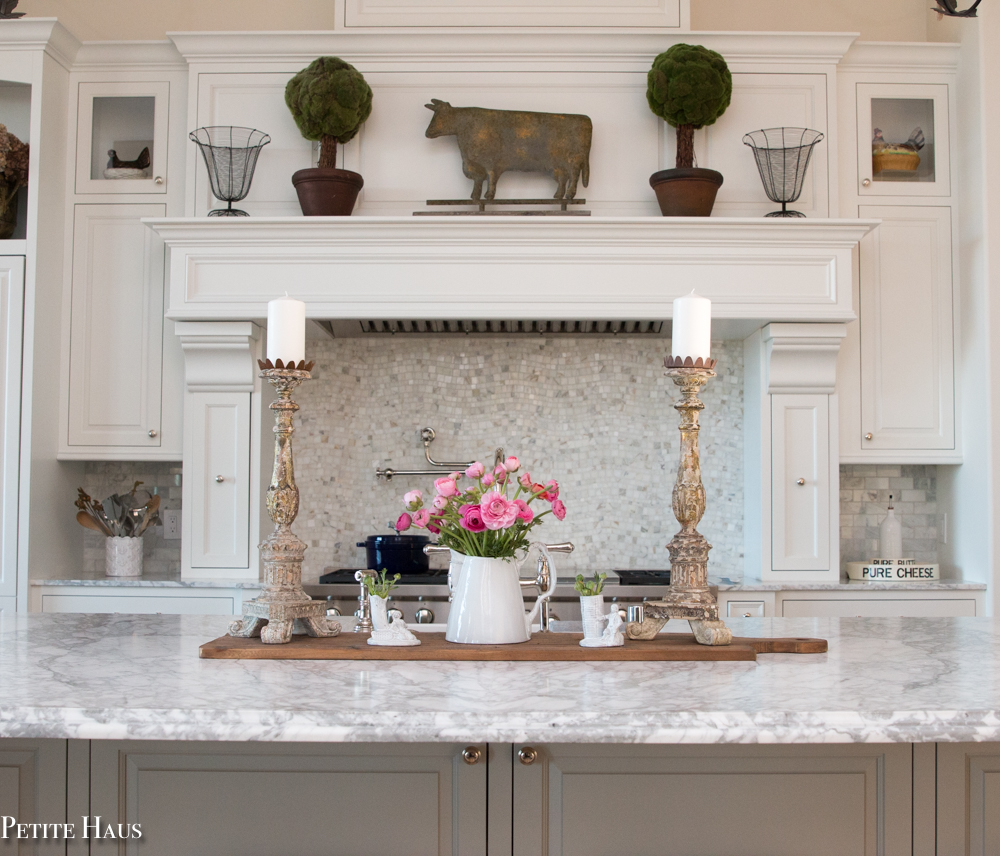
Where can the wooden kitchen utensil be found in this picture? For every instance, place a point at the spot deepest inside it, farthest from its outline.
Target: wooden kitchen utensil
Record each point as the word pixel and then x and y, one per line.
pixel 541 647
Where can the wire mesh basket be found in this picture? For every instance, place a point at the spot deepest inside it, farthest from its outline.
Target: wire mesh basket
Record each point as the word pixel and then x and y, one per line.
pixel 230 156
pixel 782 156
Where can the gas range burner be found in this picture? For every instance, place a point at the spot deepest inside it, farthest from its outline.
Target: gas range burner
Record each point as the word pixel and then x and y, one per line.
pixel 435 576
pixel 643 578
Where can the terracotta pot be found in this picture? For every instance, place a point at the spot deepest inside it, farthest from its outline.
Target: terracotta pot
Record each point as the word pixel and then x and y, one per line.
pixel 686 192
pixel 327 192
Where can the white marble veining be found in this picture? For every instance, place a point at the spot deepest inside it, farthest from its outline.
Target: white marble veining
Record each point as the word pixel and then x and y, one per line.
pixel 139 677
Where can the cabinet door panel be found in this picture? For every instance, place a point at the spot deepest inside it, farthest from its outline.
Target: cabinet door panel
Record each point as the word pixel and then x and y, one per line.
pixel 968 798
pixel 902 607
pixel 907 355
pixel 11 323
pixel 116 329
pixel 308 799
pixel 140 604
pixel 219 520
pixel 800 452
pixel 33 789
pixel 779 800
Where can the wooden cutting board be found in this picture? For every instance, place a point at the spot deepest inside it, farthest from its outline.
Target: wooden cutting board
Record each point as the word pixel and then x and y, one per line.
pixel 541 647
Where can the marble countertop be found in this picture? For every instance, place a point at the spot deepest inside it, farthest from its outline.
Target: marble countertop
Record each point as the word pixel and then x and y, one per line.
pixel 172 579
pixel 139 677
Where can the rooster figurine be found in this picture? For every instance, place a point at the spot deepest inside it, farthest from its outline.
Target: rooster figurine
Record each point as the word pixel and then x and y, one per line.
pixel 141 162
pixel 7 9
pixel 949 9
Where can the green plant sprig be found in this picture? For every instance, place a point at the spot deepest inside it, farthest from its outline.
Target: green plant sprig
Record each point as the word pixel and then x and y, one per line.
pixel 588 588
pixel 380 586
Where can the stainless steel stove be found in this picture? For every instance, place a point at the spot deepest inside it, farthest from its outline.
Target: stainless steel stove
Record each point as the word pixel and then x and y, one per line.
pixel 423 598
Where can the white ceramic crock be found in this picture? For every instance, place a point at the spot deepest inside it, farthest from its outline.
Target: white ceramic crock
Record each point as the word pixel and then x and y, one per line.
pixel 487 605
pixel 123 557
pixel 592 612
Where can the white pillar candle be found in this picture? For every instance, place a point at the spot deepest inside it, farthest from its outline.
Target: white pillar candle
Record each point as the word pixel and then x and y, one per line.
pixel 286 330
pixel 692 324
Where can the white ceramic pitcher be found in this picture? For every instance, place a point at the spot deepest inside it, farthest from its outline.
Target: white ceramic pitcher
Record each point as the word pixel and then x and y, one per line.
pixel 487 606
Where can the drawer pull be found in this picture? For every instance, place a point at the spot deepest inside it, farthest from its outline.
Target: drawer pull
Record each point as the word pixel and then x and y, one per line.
pixel 471 755
pixel 151 432
pixel 527 755
pixel 800 482
pixel 220 479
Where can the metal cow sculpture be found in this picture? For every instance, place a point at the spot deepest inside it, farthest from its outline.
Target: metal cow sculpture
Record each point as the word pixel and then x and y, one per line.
pixel 493 142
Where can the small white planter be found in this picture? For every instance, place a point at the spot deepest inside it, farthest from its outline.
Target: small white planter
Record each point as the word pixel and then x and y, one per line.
pixel 123 557
pixel 592 612
pixel 392 633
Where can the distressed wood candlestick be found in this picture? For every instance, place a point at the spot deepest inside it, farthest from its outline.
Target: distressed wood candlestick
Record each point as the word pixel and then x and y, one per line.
pixel 688 596
pixel 283 608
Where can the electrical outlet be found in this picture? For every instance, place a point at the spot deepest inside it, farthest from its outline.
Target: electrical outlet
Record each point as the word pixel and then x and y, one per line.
pixel 171 524
pixel 943 528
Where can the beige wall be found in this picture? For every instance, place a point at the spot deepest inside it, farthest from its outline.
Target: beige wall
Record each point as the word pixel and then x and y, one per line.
pixel 893 20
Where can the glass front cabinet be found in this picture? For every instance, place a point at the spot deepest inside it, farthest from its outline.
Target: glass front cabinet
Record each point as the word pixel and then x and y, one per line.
pixel 903 140
pixel 122 137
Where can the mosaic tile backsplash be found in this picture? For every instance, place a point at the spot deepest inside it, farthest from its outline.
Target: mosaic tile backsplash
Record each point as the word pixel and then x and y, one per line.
pixel 101 480
pixel 594 414
pixel 864 498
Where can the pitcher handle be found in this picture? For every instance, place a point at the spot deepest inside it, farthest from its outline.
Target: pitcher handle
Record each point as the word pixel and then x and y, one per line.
pixel 545 595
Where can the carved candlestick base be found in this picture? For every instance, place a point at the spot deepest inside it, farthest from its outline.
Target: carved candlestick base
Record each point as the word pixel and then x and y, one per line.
pixel 283 608
pixel 688 596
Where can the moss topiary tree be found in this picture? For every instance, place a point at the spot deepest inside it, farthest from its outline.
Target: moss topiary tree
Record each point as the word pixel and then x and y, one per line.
pixel 688 87
pixel 329 101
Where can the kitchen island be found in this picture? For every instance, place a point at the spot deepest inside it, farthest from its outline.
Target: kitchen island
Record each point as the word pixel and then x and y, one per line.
pixel 897 725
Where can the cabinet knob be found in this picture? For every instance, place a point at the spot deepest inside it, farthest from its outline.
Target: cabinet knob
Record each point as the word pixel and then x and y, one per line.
pixel 866 183
pixel 220 479
pixel 800 482
pixel 747 615
pixel 869 435
pixel 527 755
pixel 151 432
pixel 471 755
pixel 158 180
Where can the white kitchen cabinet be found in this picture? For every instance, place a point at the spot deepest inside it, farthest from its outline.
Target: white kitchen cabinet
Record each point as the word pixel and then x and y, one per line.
pixel 887 606
pixel 800 482
pixel 778 800
pixel 141 604
pixel 11 322
pixel 216 510
pixel 906 329
pixel 116 333
pixel 265 799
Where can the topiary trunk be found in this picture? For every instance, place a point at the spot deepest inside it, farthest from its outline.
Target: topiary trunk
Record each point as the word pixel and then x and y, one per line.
pixel 328 152
pixel 685 147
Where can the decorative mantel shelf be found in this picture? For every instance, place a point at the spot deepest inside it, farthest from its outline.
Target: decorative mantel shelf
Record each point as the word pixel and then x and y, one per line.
pixel 601 268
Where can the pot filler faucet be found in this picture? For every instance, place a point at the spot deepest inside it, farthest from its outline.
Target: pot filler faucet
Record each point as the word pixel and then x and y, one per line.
pixel 427 436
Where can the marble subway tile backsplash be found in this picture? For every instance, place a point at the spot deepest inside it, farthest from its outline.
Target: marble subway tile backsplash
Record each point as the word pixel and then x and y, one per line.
pixel 102 479
pixel 864 498
pixel 595 414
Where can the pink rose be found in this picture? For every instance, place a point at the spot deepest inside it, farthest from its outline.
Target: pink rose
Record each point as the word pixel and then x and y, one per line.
pixel 498 511
pixel 413 499
pixel 558 509
pixel 488 480
pixel 422 518
pixel 525 480
pixel 476 470
pixel 440 502
pixel 524 511
pixel 404 522
pixel 512 464
pixel 472 519
pixel 446 487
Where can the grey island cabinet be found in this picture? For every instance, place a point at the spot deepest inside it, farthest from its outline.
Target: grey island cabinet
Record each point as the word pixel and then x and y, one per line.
pixel 889 744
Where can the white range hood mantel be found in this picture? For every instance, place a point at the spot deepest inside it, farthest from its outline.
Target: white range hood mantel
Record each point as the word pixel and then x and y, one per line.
pixel 493 267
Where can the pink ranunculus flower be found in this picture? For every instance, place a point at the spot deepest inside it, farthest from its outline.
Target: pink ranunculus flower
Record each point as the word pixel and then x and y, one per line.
pixel 446 487
pixel 488 480
pixel 512 464
pixel 498 511
pixel 413 499
pixel 551 491
pixel 472 518
pixel 404 522
pixel 499 470
pixel 422 518
pixel 476 470
pixel 558 509
pixel 434 530
pixel 525 480
pixel 440 502
pixel 524 511
pixel 455 475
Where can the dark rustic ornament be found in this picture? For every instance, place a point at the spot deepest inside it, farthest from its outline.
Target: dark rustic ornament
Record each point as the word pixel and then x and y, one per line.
pixel 7 8
pixel 493 142
pixel 949 9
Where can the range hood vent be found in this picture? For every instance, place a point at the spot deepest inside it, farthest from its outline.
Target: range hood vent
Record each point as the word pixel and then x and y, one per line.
pixel 494 327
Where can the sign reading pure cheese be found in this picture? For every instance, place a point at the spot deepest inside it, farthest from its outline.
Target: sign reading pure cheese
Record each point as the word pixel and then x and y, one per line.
pixel 893 570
